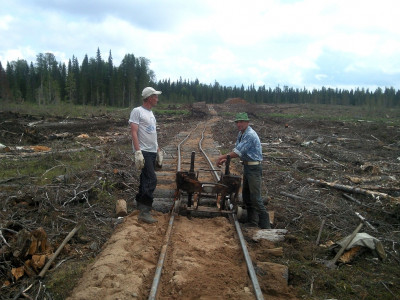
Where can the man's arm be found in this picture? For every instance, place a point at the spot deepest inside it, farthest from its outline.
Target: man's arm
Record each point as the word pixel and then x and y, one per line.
pixel 134 133
pixel 223 158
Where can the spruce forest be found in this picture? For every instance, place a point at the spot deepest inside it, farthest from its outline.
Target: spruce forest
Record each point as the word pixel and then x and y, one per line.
pixel 99 82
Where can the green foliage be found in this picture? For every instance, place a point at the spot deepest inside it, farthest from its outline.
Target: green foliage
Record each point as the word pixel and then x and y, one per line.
pixel 98 82
pixel 95 82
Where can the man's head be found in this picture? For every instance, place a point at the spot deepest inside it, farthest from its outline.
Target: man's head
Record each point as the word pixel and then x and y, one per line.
pixel 149 91
pixel 242 121
pixel 150 97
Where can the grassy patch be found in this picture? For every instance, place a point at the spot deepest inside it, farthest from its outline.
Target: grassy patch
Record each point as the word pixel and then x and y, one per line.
pixel 64 110
pixel 81 111
pixel 46 168
pixel 339 113
pixel 64 279
pixel 171 112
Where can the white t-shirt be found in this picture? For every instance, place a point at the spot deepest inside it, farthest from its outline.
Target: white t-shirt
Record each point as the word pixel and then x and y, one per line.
pixel 147 133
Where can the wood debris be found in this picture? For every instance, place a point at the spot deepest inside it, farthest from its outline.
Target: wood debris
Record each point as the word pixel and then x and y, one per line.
pixel 120 208
pixel 33 248
pixel 351 189
pixel 273 235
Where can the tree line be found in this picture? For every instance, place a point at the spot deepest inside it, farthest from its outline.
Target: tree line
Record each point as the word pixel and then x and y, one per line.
pixel 99 82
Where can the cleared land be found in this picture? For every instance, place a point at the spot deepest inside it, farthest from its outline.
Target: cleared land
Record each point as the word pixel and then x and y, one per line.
pixel 89 166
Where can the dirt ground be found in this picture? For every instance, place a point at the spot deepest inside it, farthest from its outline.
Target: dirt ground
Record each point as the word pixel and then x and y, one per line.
pixel 355 150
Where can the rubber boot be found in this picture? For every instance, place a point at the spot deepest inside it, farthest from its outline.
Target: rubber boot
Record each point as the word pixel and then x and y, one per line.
pixel 264 222
pixel 144 214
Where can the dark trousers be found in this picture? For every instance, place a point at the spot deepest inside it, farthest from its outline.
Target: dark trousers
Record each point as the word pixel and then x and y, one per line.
pixel 148 180
pixel 251 193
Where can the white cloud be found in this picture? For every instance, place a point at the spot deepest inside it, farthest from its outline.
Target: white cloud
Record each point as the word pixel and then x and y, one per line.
pixel 271 42
pixel 5 22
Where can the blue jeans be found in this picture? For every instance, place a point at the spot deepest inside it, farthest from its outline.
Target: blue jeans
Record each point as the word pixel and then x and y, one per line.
pixel 148 180
pixel 251 193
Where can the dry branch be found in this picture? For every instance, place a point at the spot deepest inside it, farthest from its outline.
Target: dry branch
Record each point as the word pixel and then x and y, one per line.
pixel 3 239
pixel 83 193
pixel 69 236
pixel 295 197
pixel 320 231
pixel 351 189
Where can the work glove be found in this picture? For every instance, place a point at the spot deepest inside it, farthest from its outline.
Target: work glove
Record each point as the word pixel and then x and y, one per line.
pixel 139 160
pixel 159 159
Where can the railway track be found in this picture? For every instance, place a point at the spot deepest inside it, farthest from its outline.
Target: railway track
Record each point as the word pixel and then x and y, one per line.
pixel 208 195
pixel 195 250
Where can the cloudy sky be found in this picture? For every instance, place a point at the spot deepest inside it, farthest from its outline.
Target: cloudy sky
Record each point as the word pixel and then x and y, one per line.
pixel 297 43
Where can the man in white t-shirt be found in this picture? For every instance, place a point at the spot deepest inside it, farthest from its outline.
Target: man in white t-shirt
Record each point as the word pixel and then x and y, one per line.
pixel 147 152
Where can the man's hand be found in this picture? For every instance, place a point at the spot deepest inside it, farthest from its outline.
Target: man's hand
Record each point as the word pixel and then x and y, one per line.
pixel 220 161
pixel 159 158
pixel 139 160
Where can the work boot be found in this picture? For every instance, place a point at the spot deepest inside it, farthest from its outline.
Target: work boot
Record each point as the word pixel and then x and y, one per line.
pixel 264 222
pixel 144 214
pixel 146 217
pixel 249 214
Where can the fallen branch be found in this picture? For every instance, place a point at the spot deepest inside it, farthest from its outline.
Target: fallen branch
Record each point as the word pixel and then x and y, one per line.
pixel 352 199
pixel 382 188
pixel 13 179
pixel 66 240
pixel 3 239
pixel 320 231
pixel 80 193
pixel 292 196
pixel 300 198
pixel 382 210
pixel 388 289
pixel 350 189
pixel 62 165
pixel 89 147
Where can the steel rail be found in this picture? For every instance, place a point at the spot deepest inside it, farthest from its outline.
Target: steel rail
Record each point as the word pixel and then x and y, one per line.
pixel 249 263
pixel 161 259
pixel 214 172
pixel 179 148
pixel 163 254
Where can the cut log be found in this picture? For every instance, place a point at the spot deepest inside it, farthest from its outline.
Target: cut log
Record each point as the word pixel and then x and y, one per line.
pixel 120 208
pixel 273 235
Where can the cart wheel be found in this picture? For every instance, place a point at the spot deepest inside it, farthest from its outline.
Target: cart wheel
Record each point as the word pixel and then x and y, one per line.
pixel 239 212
